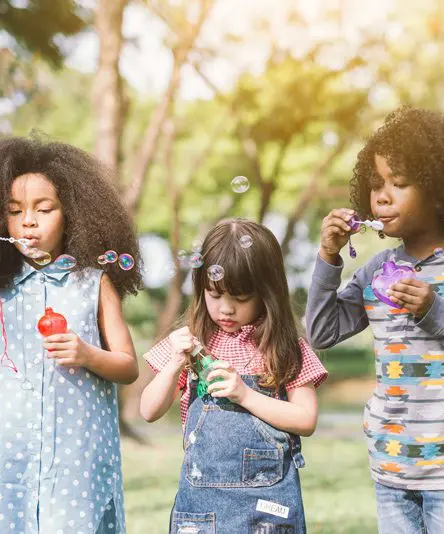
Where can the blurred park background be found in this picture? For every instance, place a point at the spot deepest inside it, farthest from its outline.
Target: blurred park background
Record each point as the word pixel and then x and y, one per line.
pixel 181 96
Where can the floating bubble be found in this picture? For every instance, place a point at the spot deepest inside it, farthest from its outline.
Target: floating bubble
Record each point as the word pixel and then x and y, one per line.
pixel 181 255
pixel 196 260
pixel 43 260
pixel 215 273
pixel 240 184
pixel 38 256
pixel 65 262
pixel 111 256
pixel 126 262
pixel 439 252
pixel 101 260
pixel 246 241
pixel 196 246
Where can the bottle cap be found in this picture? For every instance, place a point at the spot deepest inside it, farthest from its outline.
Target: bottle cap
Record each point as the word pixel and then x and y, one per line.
pixel 196 350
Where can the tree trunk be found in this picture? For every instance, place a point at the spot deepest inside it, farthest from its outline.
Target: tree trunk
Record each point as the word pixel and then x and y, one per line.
pixel 107 88
pixel 308 194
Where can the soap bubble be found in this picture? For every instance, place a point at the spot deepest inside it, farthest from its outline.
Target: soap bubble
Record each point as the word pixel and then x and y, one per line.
pixel 246 241
pixel 196 245
pixel 240 184
pixel 111 256
pixel 38 256
pixel 196 260
pixel 101 260
pixel 126 262
pixel 181 255
pixel 215 273
pixel 65 262
pixel 438 252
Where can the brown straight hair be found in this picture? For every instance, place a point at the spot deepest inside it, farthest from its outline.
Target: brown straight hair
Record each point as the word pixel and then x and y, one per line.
pixel 257 270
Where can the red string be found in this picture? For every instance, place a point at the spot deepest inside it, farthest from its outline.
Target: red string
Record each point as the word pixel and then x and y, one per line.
pixel 6 360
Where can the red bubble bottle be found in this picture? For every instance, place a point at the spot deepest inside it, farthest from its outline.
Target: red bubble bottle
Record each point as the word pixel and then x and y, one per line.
pixel 52 323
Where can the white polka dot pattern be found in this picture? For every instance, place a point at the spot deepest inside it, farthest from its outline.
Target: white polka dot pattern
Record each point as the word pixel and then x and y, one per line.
pixel 59 438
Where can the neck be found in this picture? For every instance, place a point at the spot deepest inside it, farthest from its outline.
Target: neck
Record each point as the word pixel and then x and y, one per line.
pixel 422 246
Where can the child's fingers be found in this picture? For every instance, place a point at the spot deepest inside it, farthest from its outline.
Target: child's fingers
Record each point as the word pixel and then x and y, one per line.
pixel 403 298
pixel 405 289
pixel 217 390
pixel 221 364
pixel 57 346
pixel 60 338
pixel 54 354
pixel 219 373
pixel 414 282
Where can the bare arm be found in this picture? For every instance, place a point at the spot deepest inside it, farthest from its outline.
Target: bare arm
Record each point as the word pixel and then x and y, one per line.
pixel 117 362
pixel 159 394
pixel 162 389
pixel 298 415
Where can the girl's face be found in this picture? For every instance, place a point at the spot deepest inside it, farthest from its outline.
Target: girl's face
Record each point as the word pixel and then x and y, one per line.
pixel 403 208
pixel 231 312
pixel 35 213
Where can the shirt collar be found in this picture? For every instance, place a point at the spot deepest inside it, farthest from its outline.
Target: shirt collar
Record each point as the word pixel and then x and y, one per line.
pixel 51 271
pixel 245 332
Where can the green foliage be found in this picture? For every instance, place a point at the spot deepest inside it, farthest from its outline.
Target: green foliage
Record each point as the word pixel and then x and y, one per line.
pixel 36 27
pixel 344 362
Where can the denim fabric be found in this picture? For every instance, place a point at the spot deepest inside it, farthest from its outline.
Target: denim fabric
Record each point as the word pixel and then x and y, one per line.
pixel 409 511
pixel 239 474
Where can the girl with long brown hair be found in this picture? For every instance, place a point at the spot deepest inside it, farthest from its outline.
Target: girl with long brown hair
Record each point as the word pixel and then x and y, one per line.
pixel 242 423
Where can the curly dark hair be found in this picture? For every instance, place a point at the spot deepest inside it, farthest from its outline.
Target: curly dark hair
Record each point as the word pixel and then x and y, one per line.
pixel 412 141
pixel 95 219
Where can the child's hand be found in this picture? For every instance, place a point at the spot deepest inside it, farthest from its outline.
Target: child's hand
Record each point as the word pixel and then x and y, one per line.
pixel 232 386
pixel 69 350
pixel 335 232
pixel 181 342
pixel 413 294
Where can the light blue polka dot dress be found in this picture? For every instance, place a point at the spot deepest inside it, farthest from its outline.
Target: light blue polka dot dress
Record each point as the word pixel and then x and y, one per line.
pixel 60 465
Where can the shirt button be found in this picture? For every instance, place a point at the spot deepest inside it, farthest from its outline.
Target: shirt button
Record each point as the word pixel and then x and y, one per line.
pixel 41 278
pixel 418 268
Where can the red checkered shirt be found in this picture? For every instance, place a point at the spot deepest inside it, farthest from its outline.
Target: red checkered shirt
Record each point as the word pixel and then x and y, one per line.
pixel 240 350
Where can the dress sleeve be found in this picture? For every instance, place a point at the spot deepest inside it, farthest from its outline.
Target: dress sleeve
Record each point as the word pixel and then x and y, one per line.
pixel 312 369
pixel 159 355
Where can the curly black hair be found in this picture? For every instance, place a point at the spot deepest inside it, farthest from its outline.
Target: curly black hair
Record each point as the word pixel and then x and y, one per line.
pixel 412 141
pixel 95 219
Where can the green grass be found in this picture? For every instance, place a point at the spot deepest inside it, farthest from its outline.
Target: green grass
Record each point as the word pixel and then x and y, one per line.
pixel 337 489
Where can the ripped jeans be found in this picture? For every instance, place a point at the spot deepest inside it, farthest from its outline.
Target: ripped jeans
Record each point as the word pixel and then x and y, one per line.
pixel 239 474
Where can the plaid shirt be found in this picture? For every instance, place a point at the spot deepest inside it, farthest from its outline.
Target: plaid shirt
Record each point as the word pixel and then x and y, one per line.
pixel 239 349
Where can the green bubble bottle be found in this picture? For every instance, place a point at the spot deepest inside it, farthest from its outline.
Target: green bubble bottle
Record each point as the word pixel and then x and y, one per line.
pixel 204 364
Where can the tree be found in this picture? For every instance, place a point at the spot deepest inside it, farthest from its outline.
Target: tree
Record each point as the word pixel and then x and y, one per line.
pixel 34 28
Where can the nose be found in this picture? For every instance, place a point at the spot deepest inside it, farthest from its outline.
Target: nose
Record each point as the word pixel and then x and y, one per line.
pixel 383 197
pixel 29 220
pixel 226 307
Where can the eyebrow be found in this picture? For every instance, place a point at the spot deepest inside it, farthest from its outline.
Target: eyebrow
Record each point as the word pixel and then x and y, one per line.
pixel 37 200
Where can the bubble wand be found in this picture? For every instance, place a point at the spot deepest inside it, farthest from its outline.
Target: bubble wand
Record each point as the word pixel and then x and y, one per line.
pixel 356 224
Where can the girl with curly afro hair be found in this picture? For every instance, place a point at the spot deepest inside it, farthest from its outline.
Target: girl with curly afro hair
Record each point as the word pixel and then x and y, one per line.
pixel 59 436
pixel 398 180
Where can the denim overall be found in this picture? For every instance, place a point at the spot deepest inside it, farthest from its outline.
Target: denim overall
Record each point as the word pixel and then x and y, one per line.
pixel 239 474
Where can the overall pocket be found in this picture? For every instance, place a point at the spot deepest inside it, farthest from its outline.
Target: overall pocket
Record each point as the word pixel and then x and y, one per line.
pixel 193 523
pixel 224 450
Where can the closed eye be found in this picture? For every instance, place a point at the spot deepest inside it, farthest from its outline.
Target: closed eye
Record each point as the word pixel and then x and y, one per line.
pixel 243 299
